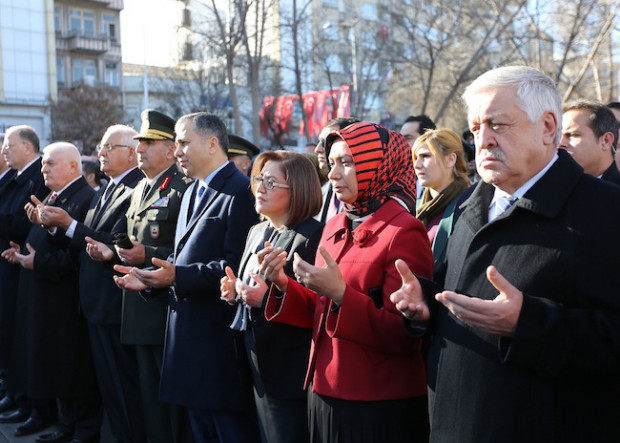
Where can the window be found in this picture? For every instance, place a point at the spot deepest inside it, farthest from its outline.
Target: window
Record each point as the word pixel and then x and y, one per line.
pixel 369 40
pixel 333 63
pixel 82 22
pixel 369 70
pixel 57 27
pixel 109 26
pixel 330 31
pixel 60 70
pixel 84 70
pixel 369 11
pixel 111 74
pixel 330 3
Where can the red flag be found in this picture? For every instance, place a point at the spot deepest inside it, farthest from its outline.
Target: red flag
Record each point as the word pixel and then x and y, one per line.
pixel 309 100
pixel 286 113
pixel 344 101
pixel 266 115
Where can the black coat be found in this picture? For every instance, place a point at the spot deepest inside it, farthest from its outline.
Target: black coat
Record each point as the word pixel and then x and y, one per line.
pixel 200 368
pixel 278 353
pixel 100 298
pixel 51 355
pixel 557 378
pixel 612 174
pixel 14 225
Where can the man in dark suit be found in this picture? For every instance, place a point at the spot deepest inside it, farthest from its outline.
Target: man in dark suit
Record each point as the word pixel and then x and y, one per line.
pixel 21 152
pixel 331 205
pixel 100 299
pixel 200 368
pixel 589 134
pixel 6 173
pixel 151 224
pixel 51 355
pixel 526 334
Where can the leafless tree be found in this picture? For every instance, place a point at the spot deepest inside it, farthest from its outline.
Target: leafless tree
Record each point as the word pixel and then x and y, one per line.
pixel 82 113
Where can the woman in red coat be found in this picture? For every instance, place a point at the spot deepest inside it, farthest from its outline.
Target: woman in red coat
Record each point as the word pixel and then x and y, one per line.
pixel 366 372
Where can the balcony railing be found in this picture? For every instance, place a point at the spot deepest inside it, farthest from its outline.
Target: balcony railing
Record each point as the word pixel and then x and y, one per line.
pixel 112 4
pixel 76 42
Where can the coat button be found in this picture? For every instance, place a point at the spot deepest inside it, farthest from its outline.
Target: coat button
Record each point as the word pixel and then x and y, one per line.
pixel 132 238
pixel 137 218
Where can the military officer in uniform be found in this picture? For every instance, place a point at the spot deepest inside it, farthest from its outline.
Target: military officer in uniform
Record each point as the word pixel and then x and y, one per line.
pixel 240 152
pixel 151 224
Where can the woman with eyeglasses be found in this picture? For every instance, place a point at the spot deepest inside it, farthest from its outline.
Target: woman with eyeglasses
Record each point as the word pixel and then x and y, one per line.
pixel 439 162
pixel 288 194
pixel 366 375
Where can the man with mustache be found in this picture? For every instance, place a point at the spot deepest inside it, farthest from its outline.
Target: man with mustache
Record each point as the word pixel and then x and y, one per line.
pixel 526 331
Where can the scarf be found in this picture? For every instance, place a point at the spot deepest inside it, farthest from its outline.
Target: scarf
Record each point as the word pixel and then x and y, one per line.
pixel 383 166
pixel 431 207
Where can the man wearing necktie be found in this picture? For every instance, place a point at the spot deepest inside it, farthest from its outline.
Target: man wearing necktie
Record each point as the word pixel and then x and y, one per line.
pixel 100 298
pixel 151 224
pixel 526 324
pixel 51 356
pixel 200 369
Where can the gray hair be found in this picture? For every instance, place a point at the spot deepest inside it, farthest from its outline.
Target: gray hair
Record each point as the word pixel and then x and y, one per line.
pixel 536 91
pixel 127 134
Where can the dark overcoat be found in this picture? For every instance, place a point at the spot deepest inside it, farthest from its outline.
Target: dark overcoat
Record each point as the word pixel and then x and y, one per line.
pixel 200 368
pixel 557 378
pixel 14 226
pixel 100 298
pixel 51 353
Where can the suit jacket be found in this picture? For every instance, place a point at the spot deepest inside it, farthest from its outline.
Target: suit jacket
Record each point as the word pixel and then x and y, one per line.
pixel 557 378
pixel 277 352
pixel 5 180
pixel 51 353
pixel 200 368
pixel 100 298
pixel 612 174
pixel 361 350
pixel 14 226
pixel 152 220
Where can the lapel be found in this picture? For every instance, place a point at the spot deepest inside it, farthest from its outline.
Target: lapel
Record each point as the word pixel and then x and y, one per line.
pixel 155 192
pixel 182 218
pixel 212 191
pixel 129 181
pixel 118 190
pixel 255 235
pixel 67 194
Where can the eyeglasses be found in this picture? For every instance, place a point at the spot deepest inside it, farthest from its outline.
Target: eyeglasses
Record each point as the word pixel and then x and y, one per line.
pixel 109 146
pixel 268 182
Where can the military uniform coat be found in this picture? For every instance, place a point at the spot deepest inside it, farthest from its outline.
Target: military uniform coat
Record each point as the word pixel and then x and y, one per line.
pixel 51 355
pixel 151 220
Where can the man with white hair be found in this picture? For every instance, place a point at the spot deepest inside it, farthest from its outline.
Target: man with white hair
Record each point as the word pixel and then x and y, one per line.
pixel 51 355
pixel 526 332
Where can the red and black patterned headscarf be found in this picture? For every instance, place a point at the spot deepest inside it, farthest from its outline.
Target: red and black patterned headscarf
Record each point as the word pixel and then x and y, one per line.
pixel 383 166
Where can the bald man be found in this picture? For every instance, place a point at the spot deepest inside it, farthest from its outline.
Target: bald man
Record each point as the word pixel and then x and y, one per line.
pixel 100 298
pixel 51 354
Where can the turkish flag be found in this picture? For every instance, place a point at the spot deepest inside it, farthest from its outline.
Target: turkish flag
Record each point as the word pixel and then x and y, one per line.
pixel 309 100
pixel 266 115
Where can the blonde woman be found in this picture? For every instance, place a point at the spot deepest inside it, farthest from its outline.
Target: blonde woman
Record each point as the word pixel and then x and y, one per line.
pixel 439 164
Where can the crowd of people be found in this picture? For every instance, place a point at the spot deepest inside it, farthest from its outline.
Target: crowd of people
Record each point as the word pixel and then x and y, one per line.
pixel 189 294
